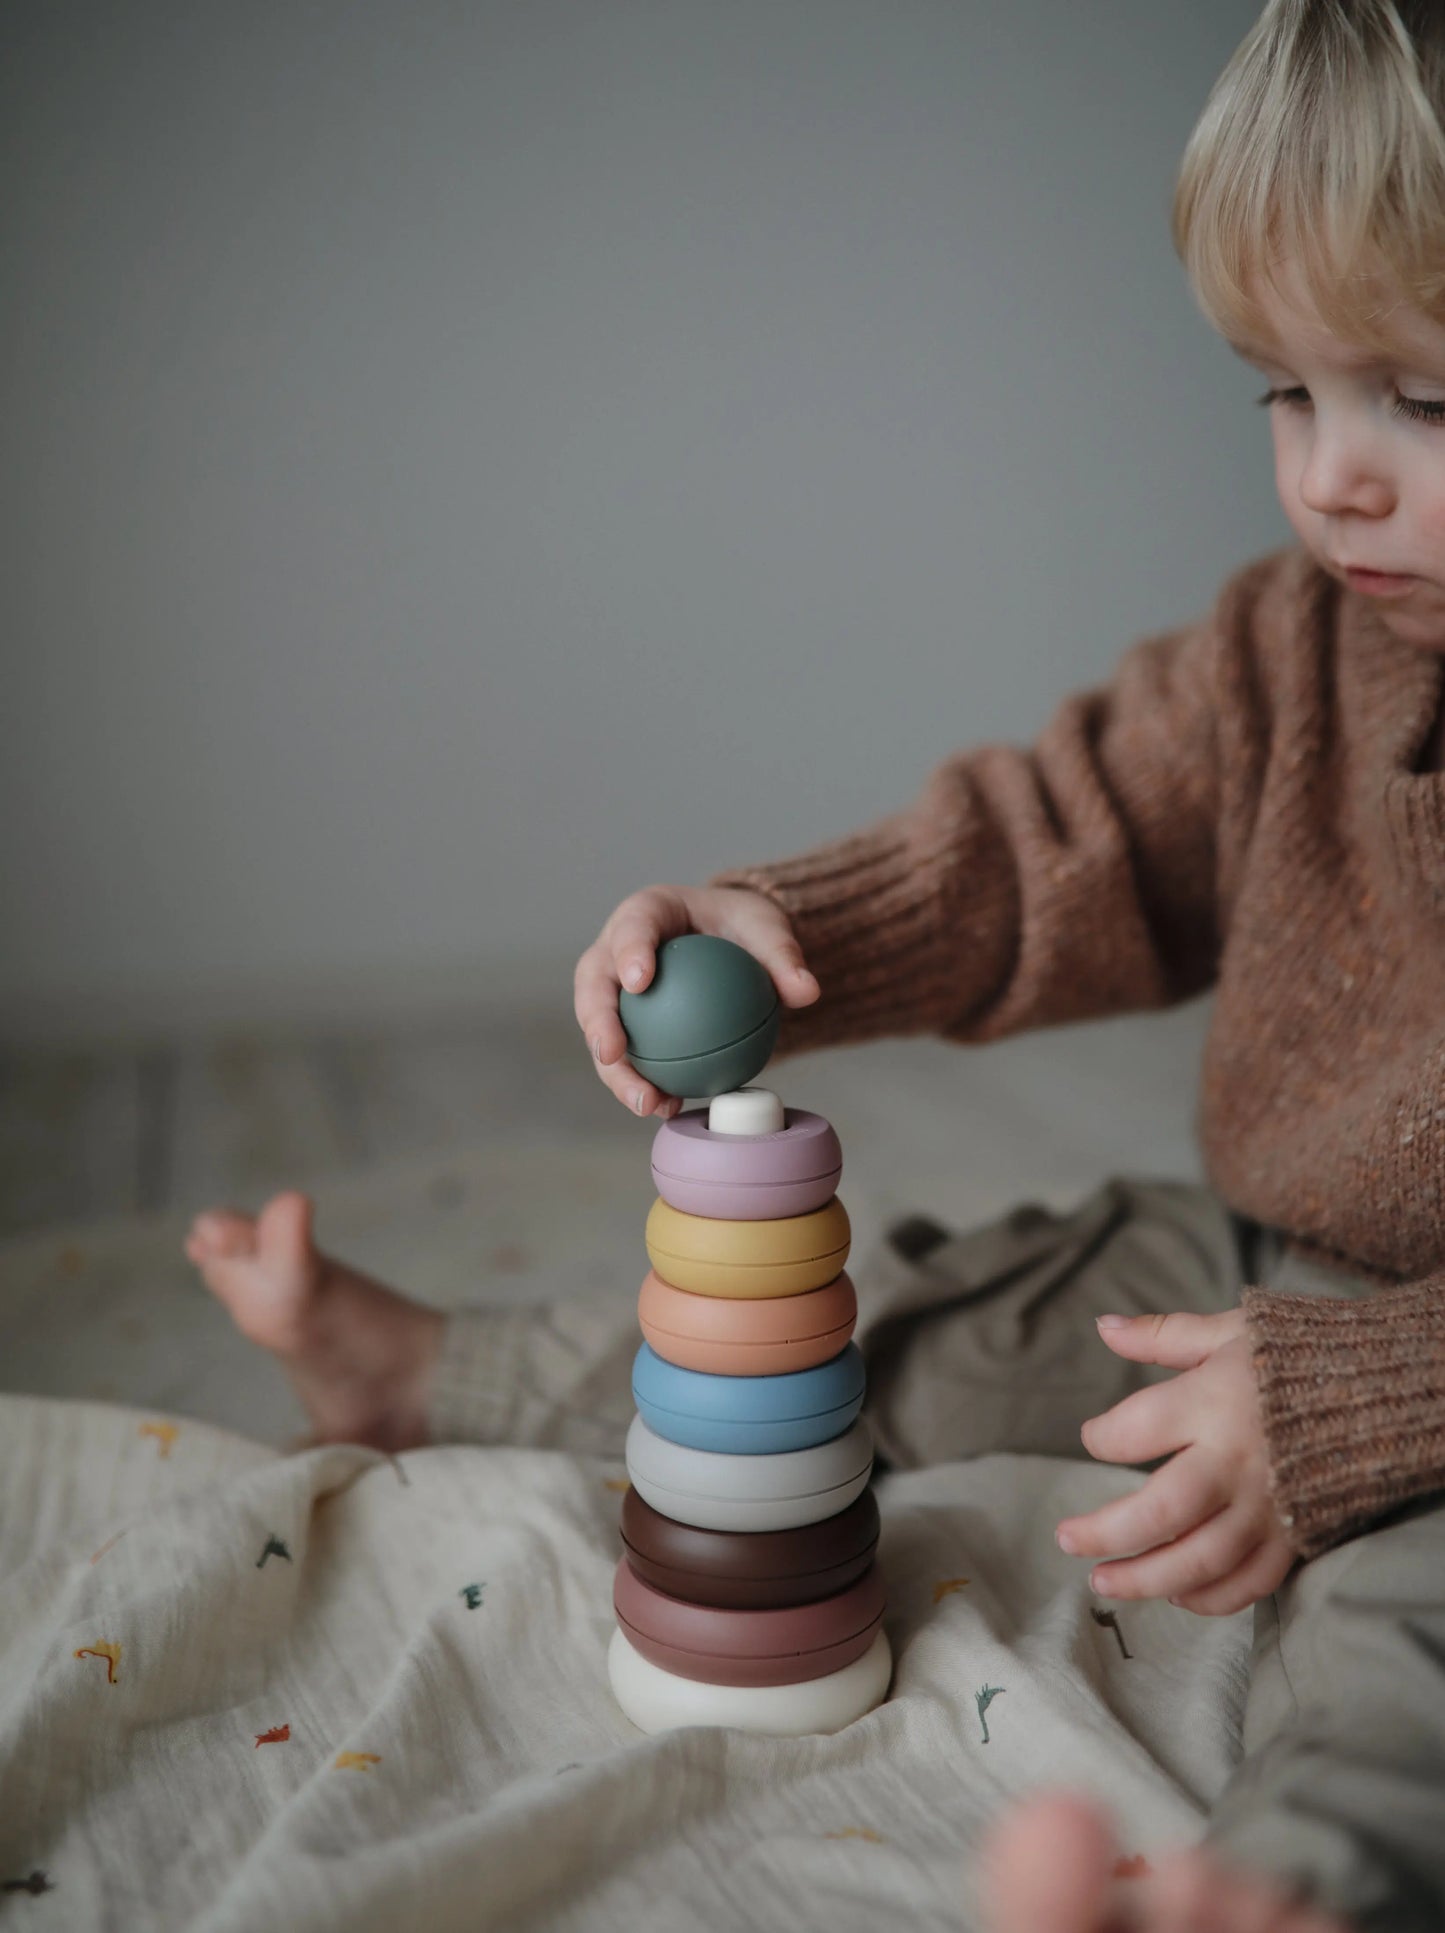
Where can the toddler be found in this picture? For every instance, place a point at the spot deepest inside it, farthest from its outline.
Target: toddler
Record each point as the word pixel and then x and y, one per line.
pixel 1254 803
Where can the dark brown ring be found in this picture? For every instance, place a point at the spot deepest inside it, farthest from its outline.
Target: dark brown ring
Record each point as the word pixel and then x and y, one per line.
pixel 750 1569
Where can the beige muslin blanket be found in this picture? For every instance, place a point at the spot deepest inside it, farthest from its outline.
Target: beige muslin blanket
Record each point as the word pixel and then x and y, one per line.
pixel 241 1689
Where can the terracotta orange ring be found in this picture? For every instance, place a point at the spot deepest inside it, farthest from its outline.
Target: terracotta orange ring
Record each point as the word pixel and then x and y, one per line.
pixel 729 1336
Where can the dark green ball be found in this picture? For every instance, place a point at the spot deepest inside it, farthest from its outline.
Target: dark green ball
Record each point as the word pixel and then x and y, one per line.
pixel 708 1021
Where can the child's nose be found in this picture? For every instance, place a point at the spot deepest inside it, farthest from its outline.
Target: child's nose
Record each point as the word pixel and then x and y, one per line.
pixel 1342 472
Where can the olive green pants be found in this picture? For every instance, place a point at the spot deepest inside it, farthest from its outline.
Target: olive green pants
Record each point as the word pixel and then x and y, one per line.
pixel 985 1340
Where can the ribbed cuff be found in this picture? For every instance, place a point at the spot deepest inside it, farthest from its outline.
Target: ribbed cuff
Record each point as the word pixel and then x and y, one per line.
pixel 1353 1401
pixel 475 1378
pixel 878 918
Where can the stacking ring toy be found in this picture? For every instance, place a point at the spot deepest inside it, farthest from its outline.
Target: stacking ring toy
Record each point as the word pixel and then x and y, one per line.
pixel 763 1336
pixel 749 1415
pixel 781 1647
pixel 719 1257
pixel 760 1570
pixel 746 1177
pixel 716 1491
pixel 661 1701
pixel 707 1021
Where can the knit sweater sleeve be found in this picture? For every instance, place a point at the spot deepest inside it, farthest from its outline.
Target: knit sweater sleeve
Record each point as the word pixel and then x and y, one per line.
pixel 1352 1395
pixel 1032 887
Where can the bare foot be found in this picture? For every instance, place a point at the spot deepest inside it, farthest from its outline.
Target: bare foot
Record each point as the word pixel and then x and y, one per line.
pixel 1049 1868
pixel 358 1354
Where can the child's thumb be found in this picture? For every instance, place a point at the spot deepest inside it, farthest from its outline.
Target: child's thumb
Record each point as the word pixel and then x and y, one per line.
pixel 1176 1341
pixel 754 921
pixel 797 986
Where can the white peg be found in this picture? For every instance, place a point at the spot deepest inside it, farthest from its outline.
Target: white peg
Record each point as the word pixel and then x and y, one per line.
pixel 746 1110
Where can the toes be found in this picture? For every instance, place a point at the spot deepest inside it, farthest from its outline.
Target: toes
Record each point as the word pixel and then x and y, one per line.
pixel 283 1230
pixel 1195 1894
pixel 221 1234
pixel 1049 1864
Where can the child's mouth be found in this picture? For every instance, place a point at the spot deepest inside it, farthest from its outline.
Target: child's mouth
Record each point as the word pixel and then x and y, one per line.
pixel 1378 583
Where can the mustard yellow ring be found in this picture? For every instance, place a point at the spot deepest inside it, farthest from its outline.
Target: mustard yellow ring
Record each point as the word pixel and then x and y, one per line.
pixel 708 1256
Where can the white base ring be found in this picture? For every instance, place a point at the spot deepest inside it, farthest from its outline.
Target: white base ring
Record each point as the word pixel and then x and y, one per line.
pixel 659 1701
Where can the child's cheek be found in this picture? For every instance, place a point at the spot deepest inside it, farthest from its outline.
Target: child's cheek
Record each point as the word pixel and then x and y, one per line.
pixel 1289 465
pixel 1434 519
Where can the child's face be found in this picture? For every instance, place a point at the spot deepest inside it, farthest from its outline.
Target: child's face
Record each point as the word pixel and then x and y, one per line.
pixel 1359 455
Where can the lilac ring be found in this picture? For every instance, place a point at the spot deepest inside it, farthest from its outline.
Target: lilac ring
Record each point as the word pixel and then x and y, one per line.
pixel 747 1177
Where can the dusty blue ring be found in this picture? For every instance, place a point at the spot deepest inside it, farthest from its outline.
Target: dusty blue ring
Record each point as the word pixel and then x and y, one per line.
pixel 749 1415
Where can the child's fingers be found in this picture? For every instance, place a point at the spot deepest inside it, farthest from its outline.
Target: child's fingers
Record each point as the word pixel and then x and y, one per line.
pixel 638 928
pixel 608 1043
pixel 596 1008
pixel 1047 1864
pixel 1186 1492
pixel 797 985
pixel 222 1232
pixel 1192 1890
pixel 1178 1341
pixel 634 951
pixel 774 944
pixel 1150 1423
pixel 636 1093
pixel 624 956
pixel 594 1001
pixel 807 987
pixel 642 1098
pixel 1191 1563
pixel 1263 1570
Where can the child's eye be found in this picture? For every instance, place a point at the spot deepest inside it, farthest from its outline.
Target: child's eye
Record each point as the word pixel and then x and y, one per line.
pixel 1412 406
pixel 1421 411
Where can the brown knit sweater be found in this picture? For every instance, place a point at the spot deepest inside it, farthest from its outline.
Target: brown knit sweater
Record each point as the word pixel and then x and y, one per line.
pixel 1247 805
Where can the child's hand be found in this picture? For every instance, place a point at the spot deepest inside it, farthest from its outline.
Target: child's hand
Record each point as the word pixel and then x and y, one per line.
pixel 624 954
pixel 1211 1538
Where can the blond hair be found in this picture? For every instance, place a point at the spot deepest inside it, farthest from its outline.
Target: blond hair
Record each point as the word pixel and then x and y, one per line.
pixel 1323 144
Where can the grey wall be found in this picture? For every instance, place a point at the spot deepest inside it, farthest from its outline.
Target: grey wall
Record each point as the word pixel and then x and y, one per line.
pixel 464 462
